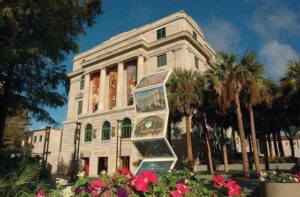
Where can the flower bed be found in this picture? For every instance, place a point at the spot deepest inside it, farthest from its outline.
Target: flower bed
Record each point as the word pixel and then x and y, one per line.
pixel 123 183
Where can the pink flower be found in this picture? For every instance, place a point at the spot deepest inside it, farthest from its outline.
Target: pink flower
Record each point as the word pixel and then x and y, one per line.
pixel 108 193
pixel 218 181
pixel 124 171
pixel 40 193
pixel 96 187
pixel 144 179
pixel 233 188
pixel 183 188
pixel 176 193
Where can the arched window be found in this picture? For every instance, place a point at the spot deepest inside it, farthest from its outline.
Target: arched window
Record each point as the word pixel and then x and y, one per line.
pixel 88 133
pixel 106 128
pixel 126 128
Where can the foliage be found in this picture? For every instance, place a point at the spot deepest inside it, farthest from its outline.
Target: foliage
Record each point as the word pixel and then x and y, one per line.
pixel 15 128
pixel 24 181
pixel 278 176
pixel 35 38
pixel 175 183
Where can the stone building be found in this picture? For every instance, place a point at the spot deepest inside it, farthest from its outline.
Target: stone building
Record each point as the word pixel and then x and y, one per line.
pixel 36 139
pixel 102 83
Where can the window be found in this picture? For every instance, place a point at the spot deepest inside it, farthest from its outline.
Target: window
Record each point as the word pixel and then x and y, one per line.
pixel 106 128
pixel 161 33
pixel 126 128
pixel 194 35
pixel 88 133
pixel 34 139
pixel 82 82
pixel 196 63
pixel 161 60
pixel 41 138
pixel 79 111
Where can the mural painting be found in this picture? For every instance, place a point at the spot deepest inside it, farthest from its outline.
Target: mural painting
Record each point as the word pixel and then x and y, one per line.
pixel 95 97
pixel 149 126
pixel 154 79
pixel 153 148
pixel 112 88
pixel 150 100
pixel 131 82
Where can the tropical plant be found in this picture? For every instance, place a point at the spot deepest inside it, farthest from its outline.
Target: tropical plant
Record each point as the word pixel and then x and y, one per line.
pixel 226 76
pixel 183 94
pixel 23 182
pixel 255 92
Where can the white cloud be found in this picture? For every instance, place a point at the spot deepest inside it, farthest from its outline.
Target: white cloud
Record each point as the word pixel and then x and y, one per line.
pixel 222 35
pixel 276 55
pixel 273 18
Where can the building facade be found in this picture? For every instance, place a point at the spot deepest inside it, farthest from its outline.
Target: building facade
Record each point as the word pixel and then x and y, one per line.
pixel 102 83
pixel 37 138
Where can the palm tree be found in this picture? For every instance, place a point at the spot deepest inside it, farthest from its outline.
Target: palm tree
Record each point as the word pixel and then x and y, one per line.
pixel 255 93
pixel 226 76
pixel 183 95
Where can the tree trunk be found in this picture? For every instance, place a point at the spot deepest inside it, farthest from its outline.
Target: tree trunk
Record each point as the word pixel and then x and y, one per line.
pixel 280 146
pixel 253 136
pixel 234 142
pixel 242 137
pixel 224 148
pixel 275 144
pixel 189 143
pixel 266 155
pixel 270 145
pixel 291 141
pixel 209 156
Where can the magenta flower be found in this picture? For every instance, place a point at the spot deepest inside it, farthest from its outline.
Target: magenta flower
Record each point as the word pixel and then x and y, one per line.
pixel 233 188
pixel 218 181
pixel 122 192
pixel 144 179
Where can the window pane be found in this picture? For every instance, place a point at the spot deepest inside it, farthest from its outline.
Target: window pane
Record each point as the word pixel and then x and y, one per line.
pixel 126 128
pixel 106 131
pixel 194 35
pixel 88 133
pixel 79 107
pixel 161 60
pixel 197 63
pixel 161 33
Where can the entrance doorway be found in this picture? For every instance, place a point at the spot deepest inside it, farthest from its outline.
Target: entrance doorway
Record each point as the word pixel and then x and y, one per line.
pixel 102 164
pixel 86 165
pixel 125 162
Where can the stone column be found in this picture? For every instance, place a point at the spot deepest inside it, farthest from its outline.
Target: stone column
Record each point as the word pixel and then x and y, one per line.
pixel 86 94
pixel 102 89
pixel 120 85
pixel 140 67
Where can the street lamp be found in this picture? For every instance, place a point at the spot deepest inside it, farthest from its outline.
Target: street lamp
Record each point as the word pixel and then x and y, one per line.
pixel 76 150
pixel 118 148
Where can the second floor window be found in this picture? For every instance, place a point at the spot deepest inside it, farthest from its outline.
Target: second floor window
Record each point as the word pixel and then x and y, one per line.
pixel 81 82
pixel 106 128
pixel 79 111
pixel 161 33
pixel 41 138
pixel 196 63
pixel 161 60
pixel 34 139
pixel 88 133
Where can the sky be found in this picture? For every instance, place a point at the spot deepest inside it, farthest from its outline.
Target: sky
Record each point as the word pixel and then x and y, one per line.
pixel 269 27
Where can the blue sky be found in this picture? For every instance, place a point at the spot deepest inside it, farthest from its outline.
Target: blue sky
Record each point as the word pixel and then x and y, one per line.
pixel 269 27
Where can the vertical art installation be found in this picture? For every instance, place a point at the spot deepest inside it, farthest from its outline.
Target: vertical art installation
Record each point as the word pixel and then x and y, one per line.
pixel 112 88
pixel 150 128
pixel 131 81
pixel 95 97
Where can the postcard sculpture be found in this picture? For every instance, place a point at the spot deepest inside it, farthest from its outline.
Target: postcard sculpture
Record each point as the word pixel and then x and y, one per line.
pixel 150 128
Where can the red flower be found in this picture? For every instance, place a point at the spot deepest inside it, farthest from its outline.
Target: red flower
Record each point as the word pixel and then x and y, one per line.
pixel 218 181
pixel 96 187
pixel 144 179
pixel 183 188
pixel 124 171
pixel 41 193
pixel 176 193
pixel 233 188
